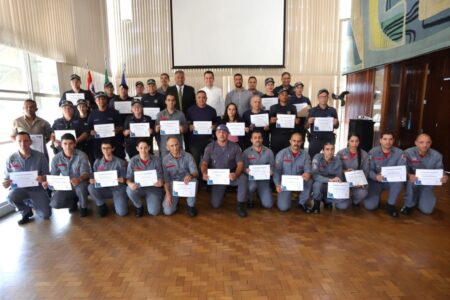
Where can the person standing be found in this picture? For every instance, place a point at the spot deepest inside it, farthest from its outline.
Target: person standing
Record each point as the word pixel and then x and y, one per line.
pixel 75 84
pixel 255 109
pixel 164 80
pixel 285 84
pixel 239 96
pixel 214 94
pixel 184 94
pixel 252 83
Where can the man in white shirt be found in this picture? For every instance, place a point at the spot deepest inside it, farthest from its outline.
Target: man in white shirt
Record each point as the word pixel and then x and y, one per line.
pixel 214 94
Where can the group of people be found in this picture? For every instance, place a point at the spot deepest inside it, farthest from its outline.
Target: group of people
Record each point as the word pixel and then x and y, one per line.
pixel 190 155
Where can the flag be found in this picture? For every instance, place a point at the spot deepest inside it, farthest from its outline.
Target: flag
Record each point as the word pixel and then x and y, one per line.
pixel 90 83
pixel 123 81
pixel 106 76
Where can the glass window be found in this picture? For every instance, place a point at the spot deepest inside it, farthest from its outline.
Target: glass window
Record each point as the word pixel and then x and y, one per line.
pixel 9 110
pixel 48 108
pixel 12 69
pixel 44 75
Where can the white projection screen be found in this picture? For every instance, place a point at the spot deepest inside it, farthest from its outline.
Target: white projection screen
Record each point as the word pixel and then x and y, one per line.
pixel 227 33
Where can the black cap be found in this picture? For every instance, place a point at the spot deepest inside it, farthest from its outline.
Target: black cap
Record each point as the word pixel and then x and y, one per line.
pixel 269 80
pixel 75 77
pixel 136 101
pixel 124 85
pixel 108 84
pixel 139 83
pixel 151 81
pixel 100 94
pixel 82 101
pixel 66 103
pixel 283 91
pixel 298 83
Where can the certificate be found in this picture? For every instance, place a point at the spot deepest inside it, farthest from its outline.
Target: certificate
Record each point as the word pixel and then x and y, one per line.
pixel 285 121
pixel 394 174
pixel 169 127
pixel 291 183
pixel 124 107
pixel 37 142
pixel 338 190
pixel 104 130
pixel 137 98
pixel 356 178
pixel 74 97
pixel 60 133
pixel 300 106
pixel 23 179
pixel 59 183
pixel 106 178
pixel 145 178
pixel 323 124
pixel 202 127
pixel 139 130
pixel 268 102
pixel 151 112
pixel 180 189
pixel 429 177
pixel 259 172
pixel 236 128
pixel 260 120
pixel 218 176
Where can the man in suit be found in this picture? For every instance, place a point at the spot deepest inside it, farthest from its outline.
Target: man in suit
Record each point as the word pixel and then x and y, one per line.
pixel 185 97
pixel 184 94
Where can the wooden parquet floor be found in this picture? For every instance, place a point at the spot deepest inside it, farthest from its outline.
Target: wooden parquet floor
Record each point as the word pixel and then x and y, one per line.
pixel 352 254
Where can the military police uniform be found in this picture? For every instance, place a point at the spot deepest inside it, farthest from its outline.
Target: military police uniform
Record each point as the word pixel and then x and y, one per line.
pixel 117 193
pixel 153 195
pixel 286 163
pixel 176 169
pixel 323 171
pixel 421 195
pixel 265 157
pixel 379 159
pixel 318 139
pixel 279 137
pixel 166 116
pixel 74 168
pixel 30 197
pixel 350 161
pixel 217 157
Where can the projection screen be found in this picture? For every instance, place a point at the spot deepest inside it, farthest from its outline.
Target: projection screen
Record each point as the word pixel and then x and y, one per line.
pixel 227 33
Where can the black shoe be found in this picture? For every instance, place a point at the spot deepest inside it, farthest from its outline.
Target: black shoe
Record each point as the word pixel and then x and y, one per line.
pixel 327 205
pixel 356 205
pixel 250 204
pixel 242 212
pixel 192 211
pixel 316 208
pixel 102 210
pixel 406 210
pixel 392 210
pixel 139 211
pixel 26 218
pixel 304 208
pixel 83 212
pixel 74 208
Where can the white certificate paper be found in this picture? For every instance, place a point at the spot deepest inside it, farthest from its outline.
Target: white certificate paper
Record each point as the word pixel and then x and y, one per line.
pixel 285 121
pixel 236 128
pixel 323 124
pixel 202 127
pixel 60 133
pixel 139 130
pixel 23 179
pixel 259 172
pixel 300 106
pixel 219 176
pixel 260 120
pixel 169 127
pixel 291 183
pixel 104 130
pixel 180 189
pixel 124 107
pixel 145 178
pixel 394 174
pixel 151 112
pixel 37 142
pixel 106 178
pixel 429 177
pixel 356 178
pixel 74 97
pixel 268 102
pixel 338 190
pixel 59 183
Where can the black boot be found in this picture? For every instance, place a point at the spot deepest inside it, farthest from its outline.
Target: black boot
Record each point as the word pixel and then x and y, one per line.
pixel 26 218
pixel 83 212
pixel 316 208
pixel 242 212
pixel 406 210
pixel 391 210
pixel 139 211
pixel 304 208
pixel 102 210
pixel 192 211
